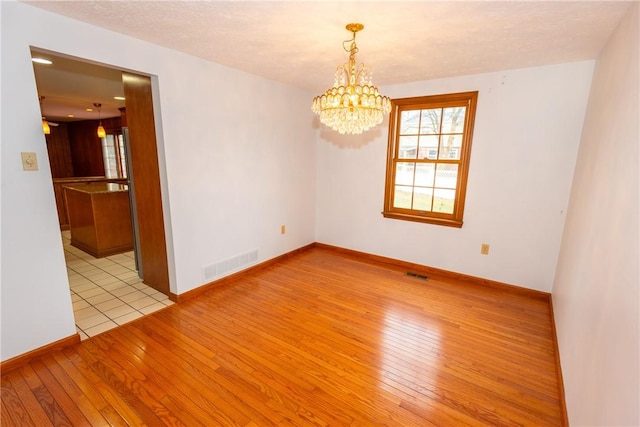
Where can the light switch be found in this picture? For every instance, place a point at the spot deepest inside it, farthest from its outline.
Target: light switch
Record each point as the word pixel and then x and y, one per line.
pixel 29 162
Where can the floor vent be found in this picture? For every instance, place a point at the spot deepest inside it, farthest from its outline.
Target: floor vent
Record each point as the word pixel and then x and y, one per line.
pixel 229 265
pixel 417 276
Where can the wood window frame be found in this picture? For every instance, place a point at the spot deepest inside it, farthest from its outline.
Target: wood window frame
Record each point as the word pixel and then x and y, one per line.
pixel 454 219
pixel 118 147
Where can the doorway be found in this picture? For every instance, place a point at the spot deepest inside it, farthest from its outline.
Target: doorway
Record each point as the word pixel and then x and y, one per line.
pixel 106 291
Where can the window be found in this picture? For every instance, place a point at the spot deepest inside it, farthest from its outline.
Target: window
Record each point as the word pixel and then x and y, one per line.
pixel 113 155
pixel 428 158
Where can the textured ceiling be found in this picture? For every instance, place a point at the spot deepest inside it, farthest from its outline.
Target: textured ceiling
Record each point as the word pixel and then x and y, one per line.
pixel 300 42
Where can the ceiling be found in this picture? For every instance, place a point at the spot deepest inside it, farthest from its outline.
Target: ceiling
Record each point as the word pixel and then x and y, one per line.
pixel 70 87
pixel 300 42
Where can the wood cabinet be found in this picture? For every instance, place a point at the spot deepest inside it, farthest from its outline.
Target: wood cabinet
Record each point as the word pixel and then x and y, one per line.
pixel 58 190
pixel 76 157
pixel 99 218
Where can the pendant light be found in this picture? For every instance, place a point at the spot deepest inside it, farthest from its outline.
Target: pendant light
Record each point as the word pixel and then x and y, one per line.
pixel 101 131
pixel 45 125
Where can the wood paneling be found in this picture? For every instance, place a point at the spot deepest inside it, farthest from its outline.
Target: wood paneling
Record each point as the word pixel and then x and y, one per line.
pixel 318 339
pixel 58 190
pixel 123 116
pixel 75 150
pixel 99 218
pixel 61 205
pixel 84 161
pixel 86 148
pixel 146 180
pixel 59 151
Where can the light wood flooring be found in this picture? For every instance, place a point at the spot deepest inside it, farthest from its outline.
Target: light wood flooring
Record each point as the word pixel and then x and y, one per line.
pixel 318 339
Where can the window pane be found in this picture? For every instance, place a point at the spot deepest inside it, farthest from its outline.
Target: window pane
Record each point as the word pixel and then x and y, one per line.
pixel 123 163
pixel 408 147
pixel 450 147
pixel 428 147
pixel 424 174
pixel 409 122
pixel 109 157
pixel 443 200
pixel 430 123
pixel 422 199
pixel 428 158
pixel 402 197
pixel 446 176
pixel 404 173
pixel 453 120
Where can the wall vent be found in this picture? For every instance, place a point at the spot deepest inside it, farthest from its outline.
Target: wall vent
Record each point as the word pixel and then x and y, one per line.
pixel 417 276
pixel 229 265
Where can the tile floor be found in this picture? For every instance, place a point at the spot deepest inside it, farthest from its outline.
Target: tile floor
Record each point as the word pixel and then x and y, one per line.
pixel 107 292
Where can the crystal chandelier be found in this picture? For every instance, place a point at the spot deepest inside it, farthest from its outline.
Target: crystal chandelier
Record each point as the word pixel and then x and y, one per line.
pixel 353 105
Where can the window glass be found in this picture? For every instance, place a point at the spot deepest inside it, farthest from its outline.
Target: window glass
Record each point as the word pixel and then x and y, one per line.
pixel 113 156
pixel 428 160
pixel 430 123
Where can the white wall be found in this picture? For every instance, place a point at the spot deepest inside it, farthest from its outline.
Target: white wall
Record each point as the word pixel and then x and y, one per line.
pixel 596 292
pixel 237 161
pixel 527 130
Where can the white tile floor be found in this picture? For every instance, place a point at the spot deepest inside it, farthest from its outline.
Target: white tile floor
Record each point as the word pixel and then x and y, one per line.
pixel 107 292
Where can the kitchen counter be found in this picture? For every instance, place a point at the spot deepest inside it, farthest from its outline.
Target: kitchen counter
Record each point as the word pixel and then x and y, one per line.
pixel 99 218
pixel 58 190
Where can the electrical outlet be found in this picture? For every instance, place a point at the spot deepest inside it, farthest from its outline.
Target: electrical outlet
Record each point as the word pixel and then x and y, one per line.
pixel 283 229
pixel 29 161
pixel 484 249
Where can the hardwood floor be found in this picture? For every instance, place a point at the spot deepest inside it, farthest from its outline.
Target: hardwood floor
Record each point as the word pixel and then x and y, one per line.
pixel 319 339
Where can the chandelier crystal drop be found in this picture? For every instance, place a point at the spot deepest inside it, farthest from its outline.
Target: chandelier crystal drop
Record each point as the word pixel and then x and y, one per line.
pixel 353 105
